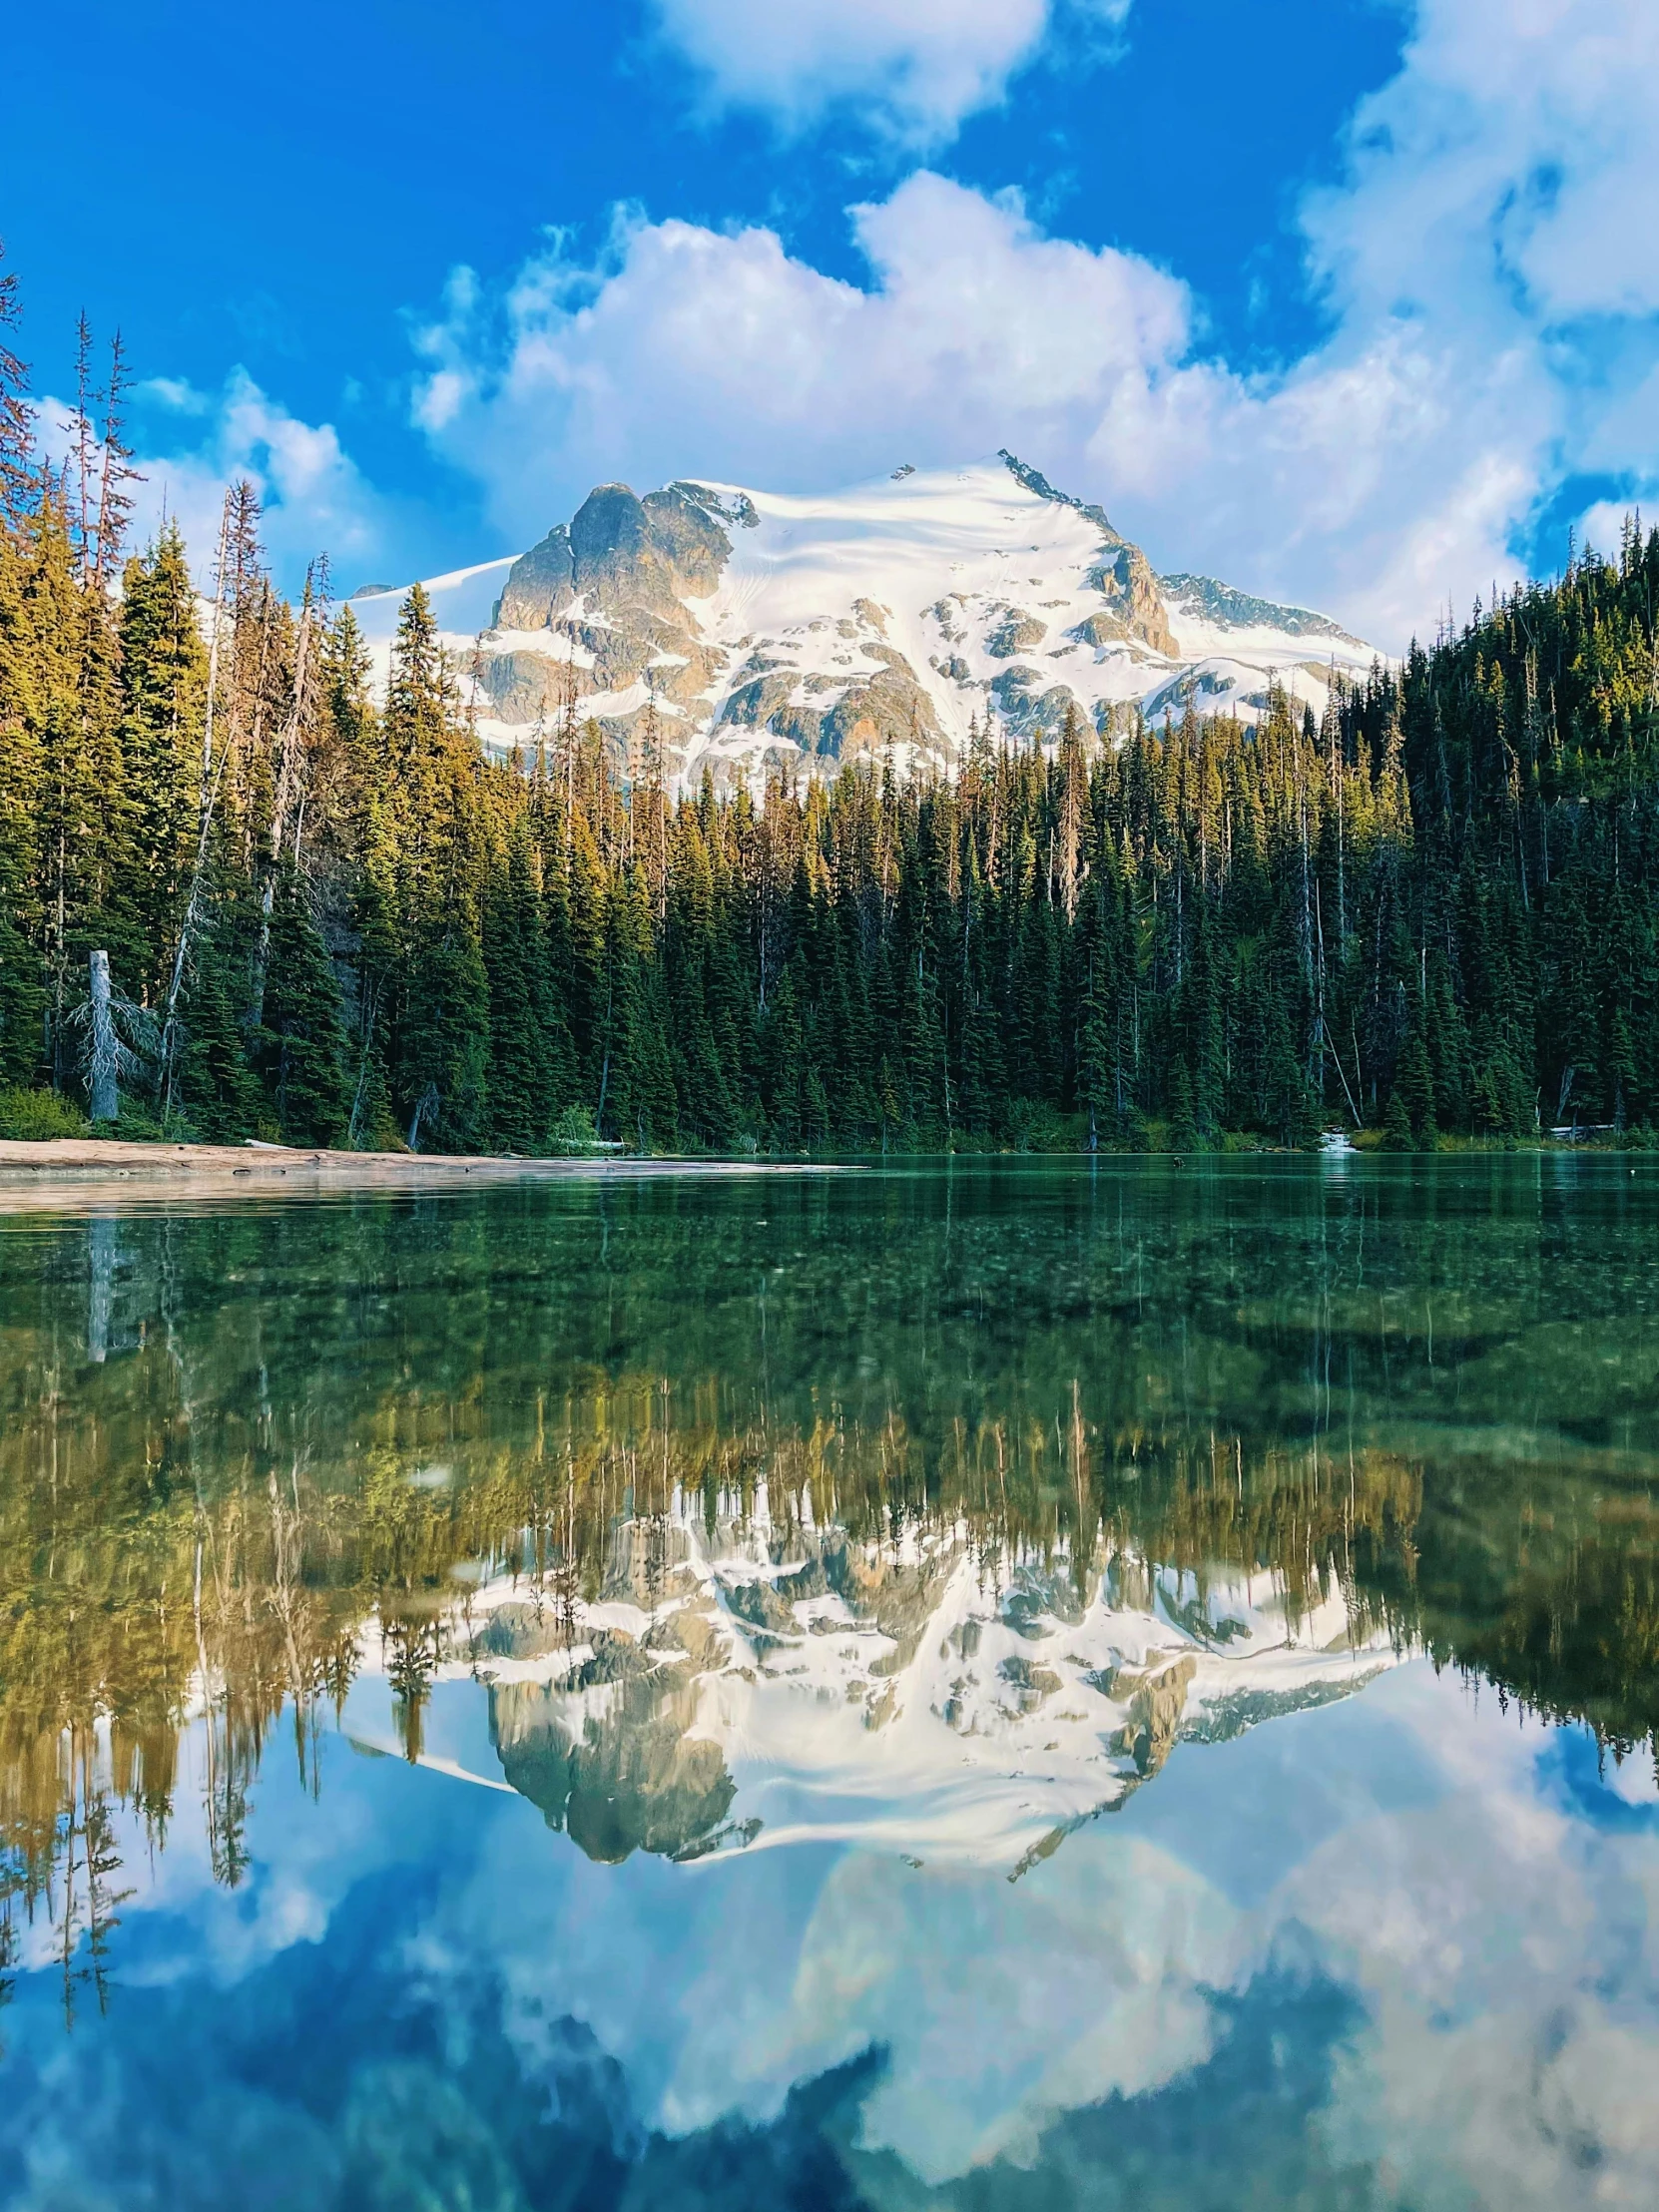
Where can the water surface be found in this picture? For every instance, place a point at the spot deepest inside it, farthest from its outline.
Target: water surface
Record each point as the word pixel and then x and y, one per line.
pixel 1008 1686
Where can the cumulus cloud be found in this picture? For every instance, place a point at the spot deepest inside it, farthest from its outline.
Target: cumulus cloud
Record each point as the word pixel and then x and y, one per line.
pixel 1493 294
pixel 1509 156
pixel 192 444
pixel 914 67
pixel 718 354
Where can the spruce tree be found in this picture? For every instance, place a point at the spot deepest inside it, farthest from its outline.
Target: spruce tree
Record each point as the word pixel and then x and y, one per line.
pixel 443 1038
pixel 1437 903
pixel 1397 1134
pixel 521 1070
pixel 164 671
pixel 1415 1086
pixel 299 1048
pixel 1183 1124
pixel 217 1093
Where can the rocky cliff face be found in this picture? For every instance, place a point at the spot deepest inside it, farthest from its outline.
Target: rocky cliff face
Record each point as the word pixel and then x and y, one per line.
pixel 607 601
pixel 1123 576
pixel 897 619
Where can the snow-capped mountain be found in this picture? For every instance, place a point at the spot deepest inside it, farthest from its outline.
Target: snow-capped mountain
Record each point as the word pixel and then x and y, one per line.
pixel 894 618
pixel 734 1687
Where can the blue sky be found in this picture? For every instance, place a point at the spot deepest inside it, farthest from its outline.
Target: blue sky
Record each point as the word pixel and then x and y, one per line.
pixel 1354 301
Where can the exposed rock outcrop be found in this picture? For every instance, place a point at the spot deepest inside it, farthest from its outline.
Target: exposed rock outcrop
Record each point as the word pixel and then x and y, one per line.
pixel 876 704
pixel 1123 573
pixel 1099 629
pixel 540 583
pixel 1017 633
pixel 610 589
pixel 1125 577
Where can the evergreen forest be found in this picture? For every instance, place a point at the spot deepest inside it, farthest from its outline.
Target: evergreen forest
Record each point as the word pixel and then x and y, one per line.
pixel 326 921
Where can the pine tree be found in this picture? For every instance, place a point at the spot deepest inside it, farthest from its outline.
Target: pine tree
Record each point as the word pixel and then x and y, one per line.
pixel 218 1093
pixel 1438 901
pixel 299 1048
pixel 443 1038
pixel 638 1084
pixel 1415 1088
pixel 521 1069
pixel 1183 1124
pixel 22 770
pixel 1398 1134
pixel 1291 1115
pixel 164 697
pixel 18 469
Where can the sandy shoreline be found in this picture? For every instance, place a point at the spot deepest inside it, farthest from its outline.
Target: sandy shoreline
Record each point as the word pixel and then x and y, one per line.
pixel 68 1170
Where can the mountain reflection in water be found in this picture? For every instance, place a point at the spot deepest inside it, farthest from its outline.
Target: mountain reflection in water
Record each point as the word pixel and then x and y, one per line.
pixel 790 1541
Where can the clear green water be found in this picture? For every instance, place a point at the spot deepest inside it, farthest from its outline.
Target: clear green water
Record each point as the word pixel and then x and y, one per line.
pixel 1015 1687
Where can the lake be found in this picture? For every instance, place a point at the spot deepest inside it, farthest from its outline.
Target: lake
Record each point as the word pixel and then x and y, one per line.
pixel 1000 1686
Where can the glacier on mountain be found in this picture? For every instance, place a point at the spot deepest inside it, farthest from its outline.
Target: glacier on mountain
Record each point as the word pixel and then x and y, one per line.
pixel 743 629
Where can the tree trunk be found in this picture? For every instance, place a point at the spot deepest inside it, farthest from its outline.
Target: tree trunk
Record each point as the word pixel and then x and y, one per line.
pixel 103 1101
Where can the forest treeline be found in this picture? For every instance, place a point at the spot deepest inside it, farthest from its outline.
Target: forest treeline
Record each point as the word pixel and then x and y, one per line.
pixel 1430 910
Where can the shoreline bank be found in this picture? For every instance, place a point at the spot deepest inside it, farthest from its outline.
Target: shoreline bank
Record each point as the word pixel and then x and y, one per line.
pixel 59 1170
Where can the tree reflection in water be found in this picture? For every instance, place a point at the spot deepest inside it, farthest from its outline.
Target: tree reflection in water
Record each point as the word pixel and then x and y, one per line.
pixel 603 1448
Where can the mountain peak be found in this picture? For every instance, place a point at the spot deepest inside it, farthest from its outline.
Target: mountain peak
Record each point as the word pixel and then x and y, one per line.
pixel 1034 480
pixel 898 618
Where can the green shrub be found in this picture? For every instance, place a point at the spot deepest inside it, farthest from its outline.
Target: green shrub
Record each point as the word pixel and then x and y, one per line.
pixel 135 1124
pixel 37 1116
pixel 574 1131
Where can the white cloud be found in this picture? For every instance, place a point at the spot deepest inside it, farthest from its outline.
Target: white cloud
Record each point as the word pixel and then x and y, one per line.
pixel 913 68
pixel 174 394
pixel 315 499
pixel 718 356
pixel 1512 153
pixel 1492 278
pixel 1414 1843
